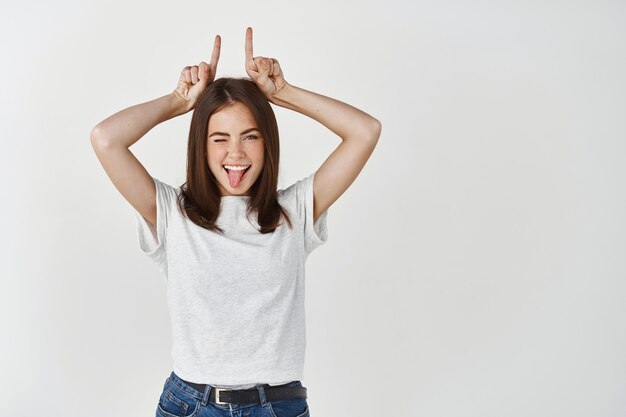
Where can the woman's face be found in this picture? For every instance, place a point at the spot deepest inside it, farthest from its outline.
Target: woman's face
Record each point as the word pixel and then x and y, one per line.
pixel 233 139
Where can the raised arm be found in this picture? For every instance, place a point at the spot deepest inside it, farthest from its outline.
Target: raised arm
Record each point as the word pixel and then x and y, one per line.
pixel 358 130
pixel 112 137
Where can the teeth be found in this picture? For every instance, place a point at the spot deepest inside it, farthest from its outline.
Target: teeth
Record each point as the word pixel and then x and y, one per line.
pixel 236 168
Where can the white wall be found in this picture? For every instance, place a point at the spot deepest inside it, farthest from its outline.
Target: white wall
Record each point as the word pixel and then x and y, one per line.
pixel 475 268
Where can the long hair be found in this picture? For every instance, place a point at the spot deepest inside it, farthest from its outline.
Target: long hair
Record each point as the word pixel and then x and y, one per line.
pixel 200 195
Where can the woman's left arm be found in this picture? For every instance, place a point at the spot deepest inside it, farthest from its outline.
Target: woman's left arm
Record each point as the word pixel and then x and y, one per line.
pixel 359 133
pixel 358 130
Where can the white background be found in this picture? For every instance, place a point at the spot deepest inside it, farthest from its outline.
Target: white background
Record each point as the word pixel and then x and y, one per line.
pixel 475 268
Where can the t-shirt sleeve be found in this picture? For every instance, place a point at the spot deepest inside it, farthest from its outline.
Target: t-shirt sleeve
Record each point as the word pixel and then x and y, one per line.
pixel 152 243
pixel 301 195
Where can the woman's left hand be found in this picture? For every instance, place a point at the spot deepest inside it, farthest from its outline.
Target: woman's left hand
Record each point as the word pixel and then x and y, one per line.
pixel 265 72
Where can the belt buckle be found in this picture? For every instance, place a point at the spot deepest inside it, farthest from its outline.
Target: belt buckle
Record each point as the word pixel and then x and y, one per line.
pixel 217 395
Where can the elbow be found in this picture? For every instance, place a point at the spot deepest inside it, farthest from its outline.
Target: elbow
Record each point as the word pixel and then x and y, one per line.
pixel 96 137
pixel 367 133
pixel 378 127
pixel 95 133
pixel 375 130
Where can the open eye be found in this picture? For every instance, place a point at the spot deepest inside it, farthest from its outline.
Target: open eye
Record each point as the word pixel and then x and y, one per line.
pixel 252 136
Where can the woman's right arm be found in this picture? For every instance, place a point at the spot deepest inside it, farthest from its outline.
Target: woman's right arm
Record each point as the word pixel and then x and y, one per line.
pixel 112 138
pixel 127 126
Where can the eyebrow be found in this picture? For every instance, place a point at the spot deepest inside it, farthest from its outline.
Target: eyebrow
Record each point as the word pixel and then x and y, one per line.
pixel 242 133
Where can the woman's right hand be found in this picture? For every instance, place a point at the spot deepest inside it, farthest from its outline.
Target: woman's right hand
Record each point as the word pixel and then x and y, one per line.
pixel 194 79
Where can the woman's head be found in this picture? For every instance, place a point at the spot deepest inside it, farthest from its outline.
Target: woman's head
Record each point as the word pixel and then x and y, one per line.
pixel 230 107
pixel 232 124
pixel 234 142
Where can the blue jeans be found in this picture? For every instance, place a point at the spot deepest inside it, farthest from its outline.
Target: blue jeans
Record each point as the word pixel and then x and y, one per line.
pixel 180 399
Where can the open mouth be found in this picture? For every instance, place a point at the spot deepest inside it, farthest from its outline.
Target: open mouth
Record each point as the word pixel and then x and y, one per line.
pixel 244 171
pixel 236 176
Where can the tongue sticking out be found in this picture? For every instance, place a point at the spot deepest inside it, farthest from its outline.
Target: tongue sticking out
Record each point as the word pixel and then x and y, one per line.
pixel 235 176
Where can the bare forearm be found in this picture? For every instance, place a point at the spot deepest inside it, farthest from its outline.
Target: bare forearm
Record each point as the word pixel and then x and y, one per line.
pixel 127 126
pixel 341 118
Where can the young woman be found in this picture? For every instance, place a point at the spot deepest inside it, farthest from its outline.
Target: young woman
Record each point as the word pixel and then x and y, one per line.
pixel 230 246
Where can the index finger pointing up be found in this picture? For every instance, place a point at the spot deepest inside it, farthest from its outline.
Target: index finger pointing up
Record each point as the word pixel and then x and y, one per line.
pixel 215 56
pixel 249 55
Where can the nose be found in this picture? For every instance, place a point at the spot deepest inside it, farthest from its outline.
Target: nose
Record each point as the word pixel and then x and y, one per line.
pixel 235 147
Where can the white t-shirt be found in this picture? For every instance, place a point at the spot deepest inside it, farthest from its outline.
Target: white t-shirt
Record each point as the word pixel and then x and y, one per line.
pixel 236 300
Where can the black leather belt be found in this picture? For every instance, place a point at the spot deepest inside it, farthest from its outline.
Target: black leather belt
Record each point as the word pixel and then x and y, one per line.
pixel 251 395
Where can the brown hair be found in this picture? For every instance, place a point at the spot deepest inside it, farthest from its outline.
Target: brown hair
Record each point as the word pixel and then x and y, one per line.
pixel 200 195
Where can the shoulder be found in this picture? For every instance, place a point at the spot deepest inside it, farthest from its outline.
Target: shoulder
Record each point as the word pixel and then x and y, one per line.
pixel 165 190
pixel 297 190
pixel 165 187
pixel 166 195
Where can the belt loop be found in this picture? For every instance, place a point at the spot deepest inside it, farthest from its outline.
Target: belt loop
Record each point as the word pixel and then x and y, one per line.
pixel 261 390
pixel 207 393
